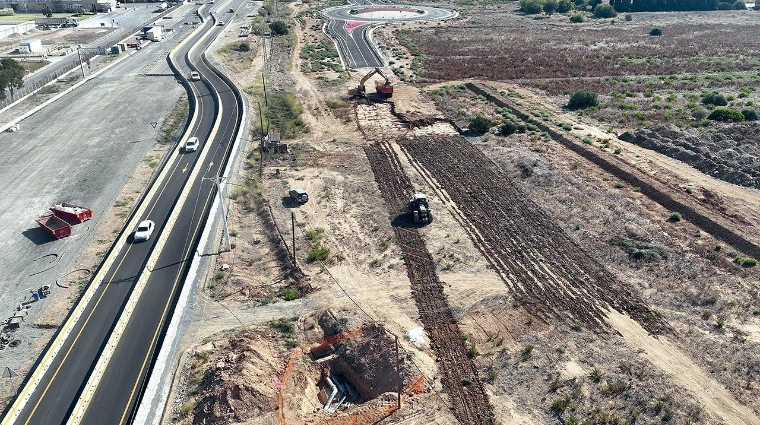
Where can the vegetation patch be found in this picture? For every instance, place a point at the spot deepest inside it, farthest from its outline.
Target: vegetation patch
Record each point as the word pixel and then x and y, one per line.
pixel 640 250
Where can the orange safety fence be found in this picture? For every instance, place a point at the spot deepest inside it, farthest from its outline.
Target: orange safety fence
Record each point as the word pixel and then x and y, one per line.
pixel 362 417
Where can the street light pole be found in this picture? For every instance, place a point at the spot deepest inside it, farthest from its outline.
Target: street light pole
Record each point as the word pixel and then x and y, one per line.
pixel 218 180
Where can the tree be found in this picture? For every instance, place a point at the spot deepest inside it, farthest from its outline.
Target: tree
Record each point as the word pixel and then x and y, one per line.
pixel 577 18
pixel 550 7
pixel 11 76
pixel 279 28
pixel 582 99
pixel 47 12
pixel 531 7
pixel 739 5
pixel 604 10
pixel 564 6
pixel 480 125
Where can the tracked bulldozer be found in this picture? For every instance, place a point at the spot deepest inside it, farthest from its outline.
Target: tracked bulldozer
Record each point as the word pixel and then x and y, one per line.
pixel 384 88
pixel 419 209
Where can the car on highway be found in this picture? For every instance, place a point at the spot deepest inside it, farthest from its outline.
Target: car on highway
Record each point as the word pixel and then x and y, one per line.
pixel 192 144
pixel 220 23
pixel 195 76
pixel 144 230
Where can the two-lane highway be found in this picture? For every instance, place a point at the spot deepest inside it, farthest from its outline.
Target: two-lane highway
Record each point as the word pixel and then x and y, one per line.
pixel 99 373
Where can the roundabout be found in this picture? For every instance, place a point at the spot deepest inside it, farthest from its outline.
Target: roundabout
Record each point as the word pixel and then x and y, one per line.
pixel 350 28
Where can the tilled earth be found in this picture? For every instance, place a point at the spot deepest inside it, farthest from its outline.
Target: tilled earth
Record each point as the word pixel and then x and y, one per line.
pixel 469 403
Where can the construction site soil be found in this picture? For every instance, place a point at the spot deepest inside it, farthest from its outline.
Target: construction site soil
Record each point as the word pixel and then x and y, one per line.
pixel 552 286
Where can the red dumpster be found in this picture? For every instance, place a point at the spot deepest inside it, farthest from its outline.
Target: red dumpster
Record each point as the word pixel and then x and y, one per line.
pixel 55 226
pixel 72 212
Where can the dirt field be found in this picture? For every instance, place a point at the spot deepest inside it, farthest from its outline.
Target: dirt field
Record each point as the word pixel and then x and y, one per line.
pixel 554 284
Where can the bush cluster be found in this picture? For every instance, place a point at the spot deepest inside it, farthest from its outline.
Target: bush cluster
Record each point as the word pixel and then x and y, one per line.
pixel 534 7
pixel 604 11
pixel 726 115
pixel 714 98
pixel 582 99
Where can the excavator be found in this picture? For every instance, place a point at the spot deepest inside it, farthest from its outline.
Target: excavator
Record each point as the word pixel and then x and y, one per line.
pixel 384 89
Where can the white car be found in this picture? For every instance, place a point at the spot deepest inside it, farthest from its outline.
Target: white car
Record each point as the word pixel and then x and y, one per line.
pixel 195 76
pixel 192 144
pixel 144 230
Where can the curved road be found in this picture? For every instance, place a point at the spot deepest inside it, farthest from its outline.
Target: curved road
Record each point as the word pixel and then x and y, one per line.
pixel 99 373
pixel 350 28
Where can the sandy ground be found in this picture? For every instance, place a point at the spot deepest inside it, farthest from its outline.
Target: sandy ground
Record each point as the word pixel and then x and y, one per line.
pixel 365 280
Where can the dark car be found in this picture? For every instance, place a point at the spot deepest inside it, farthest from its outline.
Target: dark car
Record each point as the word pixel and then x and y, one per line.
pixel 299 195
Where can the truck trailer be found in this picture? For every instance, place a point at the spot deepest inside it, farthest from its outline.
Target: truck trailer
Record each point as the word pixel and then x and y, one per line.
pixel 154 34
pixel 57 22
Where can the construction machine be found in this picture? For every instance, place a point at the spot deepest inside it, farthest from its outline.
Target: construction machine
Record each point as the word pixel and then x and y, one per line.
pixel 419 208
pixel 384 88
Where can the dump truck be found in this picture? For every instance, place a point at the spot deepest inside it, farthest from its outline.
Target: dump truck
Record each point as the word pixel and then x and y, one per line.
pixel 72 212
pixel 57 22
pixel 55 226
pixel 419 209
pixel 383 88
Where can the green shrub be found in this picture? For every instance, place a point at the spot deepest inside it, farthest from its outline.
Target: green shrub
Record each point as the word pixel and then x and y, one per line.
pixel 582 99
pixel 628 17
pixel 550 6
pixel 279 28
pixel 699 114
pixel 726 115
pixel 655 32
pixel 507 128
pixel 480 125
pixel 749 114
pixel 318 253
pixel 243 47
pixel 745 261
pixel 603 11
pixel 283 326
pixel 472 352
pixel 290 294
pixel 564 6
pixel 714 98
pixel 577 18
pixel 531 7
pixel 527 352
pixel 675 216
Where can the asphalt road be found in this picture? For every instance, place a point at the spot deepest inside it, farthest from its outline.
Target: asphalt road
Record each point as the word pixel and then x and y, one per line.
pixel 81 149
pixel 113 400
pixel 350 27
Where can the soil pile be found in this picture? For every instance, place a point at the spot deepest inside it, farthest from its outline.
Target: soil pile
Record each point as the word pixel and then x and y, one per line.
pixel 731 153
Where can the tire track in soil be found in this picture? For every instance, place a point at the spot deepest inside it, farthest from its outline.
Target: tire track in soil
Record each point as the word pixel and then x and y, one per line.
pixel 469 402
pixel 542 267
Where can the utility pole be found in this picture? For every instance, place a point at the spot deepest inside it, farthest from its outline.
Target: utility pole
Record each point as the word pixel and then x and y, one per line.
pixel 398 377
pixel 293 228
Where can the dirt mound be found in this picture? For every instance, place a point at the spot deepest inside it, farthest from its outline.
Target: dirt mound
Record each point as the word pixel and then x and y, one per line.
pixel 232 383
pixel 730 153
